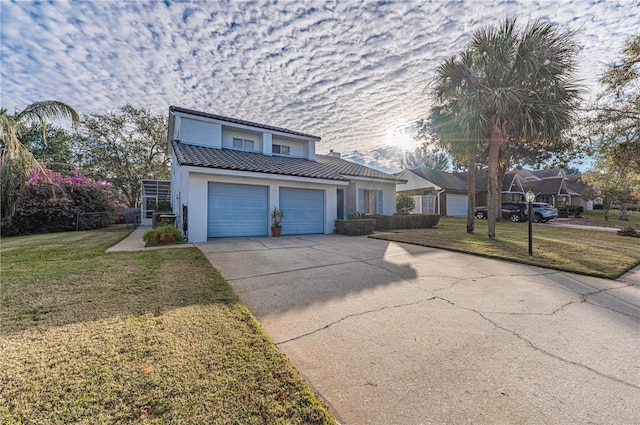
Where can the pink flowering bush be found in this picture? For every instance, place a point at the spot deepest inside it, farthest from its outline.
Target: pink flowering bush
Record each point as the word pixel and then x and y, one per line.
pixel 54 203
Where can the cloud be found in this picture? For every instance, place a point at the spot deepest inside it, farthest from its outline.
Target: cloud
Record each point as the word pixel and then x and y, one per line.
pixel 349 71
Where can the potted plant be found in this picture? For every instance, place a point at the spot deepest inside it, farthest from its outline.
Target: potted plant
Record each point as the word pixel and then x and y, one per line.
pixel 162 235
pixel 276 222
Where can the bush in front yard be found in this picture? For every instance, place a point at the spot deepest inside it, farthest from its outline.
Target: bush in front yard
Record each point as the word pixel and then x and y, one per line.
pixel 404 203
pixel 50 202
pixel 575 210
pixel 355 227
pixel 402 221
pixel 150 237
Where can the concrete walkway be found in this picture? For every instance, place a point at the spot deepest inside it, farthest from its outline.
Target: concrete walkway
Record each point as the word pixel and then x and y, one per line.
pixel 389 333
pixel 134 242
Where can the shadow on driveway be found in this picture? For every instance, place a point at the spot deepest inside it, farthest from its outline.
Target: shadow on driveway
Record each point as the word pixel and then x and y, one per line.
pixel 390 333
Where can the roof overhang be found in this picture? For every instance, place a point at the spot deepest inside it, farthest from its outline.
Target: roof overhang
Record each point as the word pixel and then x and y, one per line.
pixel 373 179
pixel 260 176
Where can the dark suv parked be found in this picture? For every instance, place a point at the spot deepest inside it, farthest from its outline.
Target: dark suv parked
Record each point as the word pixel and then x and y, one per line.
pixel 516 211
pixel 513 211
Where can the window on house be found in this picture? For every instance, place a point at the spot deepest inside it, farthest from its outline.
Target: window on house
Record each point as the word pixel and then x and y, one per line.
pixel 243 144
pixel 370 201
pixel 281 149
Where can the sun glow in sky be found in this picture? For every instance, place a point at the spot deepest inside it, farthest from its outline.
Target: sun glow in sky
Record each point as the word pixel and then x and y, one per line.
pixel 402 136
pixel 352 71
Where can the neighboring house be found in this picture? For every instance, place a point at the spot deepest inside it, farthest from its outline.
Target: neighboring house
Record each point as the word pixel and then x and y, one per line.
pixel 435 192
pixel 512 189
pixel 228 174
pixel 445 193
pixel 553 186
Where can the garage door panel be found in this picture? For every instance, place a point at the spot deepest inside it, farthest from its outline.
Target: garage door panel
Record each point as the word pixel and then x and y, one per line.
pixel 237 210
pixel 303 211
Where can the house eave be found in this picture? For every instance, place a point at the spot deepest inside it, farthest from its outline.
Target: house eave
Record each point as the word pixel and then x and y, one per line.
pixel 373 179
pixel 238 123
pixel 193 169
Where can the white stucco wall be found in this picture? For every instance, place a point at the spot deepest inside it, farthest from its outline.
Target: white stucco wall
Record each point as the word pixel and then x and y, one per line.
pixel 198 186
pixel 229 134
pixel 413 182
pixel 388 194
pixel 199 132
pixel 297 148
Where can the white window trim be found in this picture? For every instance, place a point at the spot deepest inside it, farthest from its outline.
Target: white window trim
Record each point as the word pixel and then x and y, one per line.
pixel 244 142
pixel 377 205
pixel 280 149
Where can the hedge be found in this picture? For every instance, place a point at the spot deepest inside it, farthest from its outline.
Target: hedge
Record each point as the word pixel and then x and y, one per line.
pixel 406 221
pixel 570 210
pixel 355 227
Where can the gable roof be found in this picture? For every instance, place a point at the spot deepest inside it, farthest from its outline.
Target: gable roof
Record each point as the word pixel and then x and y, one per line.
pixel 509 181
pixel 441 178
pixel 575 185
pixel 173 109
pixel 324 167
pixel 547 187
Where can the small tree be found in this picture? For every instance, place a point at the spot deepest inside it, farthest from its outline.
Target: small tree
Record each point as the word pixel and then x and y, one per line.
pixel 404 203
pixel 122 147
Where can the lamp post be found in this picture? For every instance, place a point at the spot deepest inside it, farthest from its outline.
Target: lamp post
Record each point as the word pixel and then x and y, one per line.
pixel 530 196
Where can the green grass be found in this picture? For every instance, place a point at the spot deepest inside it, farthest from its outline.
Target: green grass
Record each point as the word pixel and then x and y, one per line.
pixel 588 252
pixel 597 218
pixel 134 337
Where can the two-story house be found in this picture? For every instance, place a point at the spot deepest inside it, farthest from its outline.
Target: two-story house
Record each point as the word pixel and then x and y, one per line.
pixel 228 174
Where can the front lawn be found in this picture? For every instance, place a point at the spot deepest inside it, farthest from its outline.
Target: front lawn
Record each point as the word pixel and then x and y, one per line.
pixel 597 218
pixel 589 252
pixel 134 337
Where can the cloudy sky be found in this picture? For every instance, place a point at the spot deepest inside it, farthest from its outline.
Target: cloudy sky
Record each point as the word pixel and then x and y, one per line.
pixel 352 72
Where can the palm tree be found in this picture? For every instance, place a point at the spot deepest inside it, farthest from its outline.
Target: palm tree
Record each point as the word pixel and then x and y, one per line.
pixel 517 86
pixel 458 126
pixel 16 161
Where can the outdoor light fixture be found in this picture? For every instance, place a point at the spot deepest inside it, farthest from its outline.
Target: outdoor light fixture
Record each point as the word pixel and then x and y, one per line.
pixel 529 197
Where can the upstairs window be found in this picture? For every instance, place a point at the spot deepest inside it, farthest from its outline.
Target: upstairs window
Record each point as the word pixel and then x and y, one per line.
pixel 244 144
pixel 281 149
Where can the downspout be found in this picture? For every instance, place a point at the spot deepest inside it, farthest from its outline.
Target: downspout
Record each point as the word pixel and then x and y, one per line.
pixel 439 203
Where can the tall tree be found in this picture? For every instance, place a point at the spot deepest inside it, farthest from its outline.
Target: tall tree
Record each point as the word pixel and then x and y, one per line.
pixel 124 146
pixel 517 86
pixel 457 124
pixel 612 125
pixel 611 182
pixel 423 157
pixel 51 147
pixel 16 160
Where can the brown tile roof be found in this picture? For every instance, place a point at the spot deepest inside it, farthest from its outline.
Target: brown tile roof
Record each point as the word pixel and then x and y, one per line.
pixel 238 121
pixel 324 167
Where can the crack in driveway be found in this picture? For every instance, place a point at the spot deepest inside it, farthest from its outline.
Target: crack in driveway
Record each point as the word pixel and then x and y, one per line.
pixel 482 315
pixel 362 313
pixel 555 356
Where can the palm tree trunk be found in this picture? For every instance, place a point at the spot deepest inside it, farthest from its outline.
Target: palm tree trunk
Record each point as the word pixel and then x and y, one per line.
pixel 471 187
pixel 495 141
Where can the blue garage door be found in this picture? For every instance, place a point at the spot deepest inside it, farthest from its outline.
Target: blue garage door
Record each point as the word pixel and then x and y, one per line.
pixel 237 210
pixel 303 211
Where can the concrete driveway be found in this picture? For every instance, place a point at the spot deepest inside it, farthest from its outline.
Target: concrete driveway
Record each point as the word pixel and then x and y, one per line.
pixel 389 333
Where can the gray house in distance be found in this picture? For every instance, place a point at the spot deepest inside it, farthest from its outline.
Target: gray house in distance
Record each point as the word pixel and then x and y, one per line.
pixel 444 193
